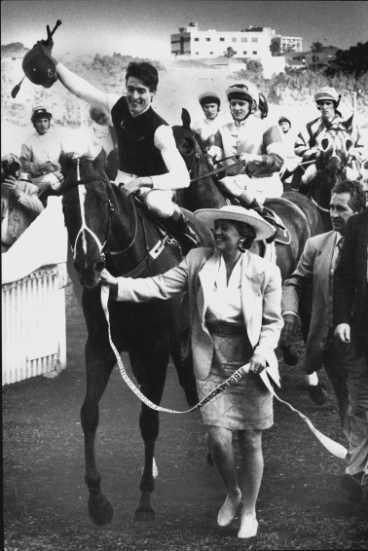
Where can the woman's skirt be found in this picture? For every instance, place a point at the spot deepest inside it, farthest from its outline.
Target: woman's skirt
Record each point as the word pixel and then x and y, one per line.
pixel 246 405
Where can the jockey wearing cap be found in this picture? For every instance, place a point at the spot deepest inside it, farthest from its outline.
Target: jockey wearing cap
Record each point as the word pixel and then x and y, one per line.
pixel 257 145
pixel 149 162
pixel 212 119
pixel 40 152
pixel 330 123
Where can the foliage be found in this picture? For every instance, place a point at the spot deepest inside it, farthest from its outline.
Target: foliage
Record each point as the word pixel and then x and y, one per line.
pixel 316 47
pixel 353 61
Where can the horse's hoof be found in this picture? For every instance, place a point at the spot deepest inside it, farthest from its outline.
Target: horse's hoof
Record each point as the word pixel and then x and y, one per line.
pixel 144 514
pixel 100 509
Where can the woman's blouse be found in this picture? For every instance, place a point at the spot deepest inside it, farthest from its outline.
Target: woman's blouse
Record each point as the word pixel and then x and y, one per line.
pixel 224 299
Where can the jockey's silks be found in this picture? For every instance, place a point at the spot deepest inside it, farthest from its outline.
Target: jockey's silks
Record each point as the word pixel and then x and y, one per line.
pixel 135 136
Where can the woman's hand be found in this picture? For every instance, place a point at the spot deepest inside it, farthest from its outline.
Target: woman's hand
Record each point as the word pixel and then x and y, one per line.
pixel 108 279
pixel 257 363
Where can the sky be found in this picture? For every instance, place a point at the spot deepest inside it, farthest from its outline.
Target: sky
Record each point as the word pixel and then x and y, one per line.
pixel 143 27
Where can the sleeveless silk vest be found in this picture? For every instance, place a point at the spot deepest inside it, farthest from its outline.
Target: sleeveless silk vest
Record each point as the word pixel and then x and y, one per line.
pixel 135 136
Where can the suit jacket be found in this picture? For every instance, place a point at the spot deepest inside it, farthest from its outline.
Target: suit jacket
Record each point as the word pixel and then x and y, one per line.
pixel 261 301
pixel 351 286
pixel 314 267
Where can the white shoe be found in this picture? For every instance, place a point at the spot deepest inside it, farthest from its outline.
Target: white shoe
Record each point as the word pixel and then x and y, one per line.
pixel 228 510
pixel 248 527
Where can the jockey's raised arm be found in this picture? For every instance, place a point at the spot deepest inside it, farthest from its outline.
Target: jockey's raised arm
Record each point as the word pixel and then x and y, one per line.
pixel 84 90
pixel 150 164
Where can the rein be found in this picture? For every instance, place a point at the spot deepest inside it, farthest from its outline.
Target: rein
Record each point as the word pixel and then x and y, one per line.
pixel 333 447
pixel 238 164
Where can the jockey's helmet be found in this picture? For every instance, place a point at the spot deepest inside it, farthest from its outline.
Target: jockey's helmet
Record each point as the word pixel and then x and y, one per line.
pixel 327 93
pixel 209 97
pixel 284 119
pixel 38 66
pixel 40 113
pixel 245 91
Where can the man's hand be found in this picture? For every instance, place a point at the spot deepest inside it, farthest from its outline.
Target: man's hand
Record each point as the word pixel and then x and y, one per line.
pixel 257 363
pixel 289 329
pixel 343 332
pixel 215 153
pixel 108 279
pixel 131 187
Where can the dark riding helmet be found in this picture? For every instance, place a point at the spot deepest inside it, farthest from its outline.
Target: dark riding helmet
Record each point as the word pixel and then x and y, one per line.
pixel 284 119
pixel 39 67
pixel 209 97
pixel 40 113
pixel 244 91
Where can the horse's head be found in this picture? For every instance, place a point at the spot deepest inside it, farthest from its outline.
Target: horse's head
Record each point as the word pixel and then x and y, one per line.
pixel 87 203
pixel 336 162
pixel 188 143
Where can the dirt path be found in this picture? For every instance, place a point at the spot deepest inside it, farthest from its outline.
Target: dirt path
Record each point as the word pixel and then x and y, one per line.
pixel 300 505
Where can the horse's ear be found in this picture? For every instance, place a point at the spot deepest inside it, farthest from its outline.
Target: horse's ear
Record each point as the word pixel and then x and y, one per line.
pixel 348 144
pixel 185 118
pixel 348 124
pixel 325 142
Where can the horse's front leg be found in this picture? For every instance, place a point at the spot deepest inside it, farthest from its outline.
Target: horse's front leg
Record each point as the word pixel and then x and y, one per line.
pixel 150 370
pixel 99 363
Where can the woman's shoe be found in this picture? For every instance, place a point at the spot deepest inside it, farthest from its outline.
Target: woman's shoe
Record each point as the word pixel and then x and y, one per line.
pixel 228 510
pixel 248 527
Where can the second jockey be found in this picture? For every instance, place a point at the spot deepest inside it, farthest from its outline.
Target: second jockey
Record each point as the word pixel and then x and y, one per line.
pixel 256 145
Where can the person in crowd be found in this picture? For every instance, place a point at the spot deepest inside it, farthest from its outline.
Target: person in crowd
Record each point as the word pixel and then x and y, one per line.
pixel 288 139
pixel 315 271
pixel 41 151
pixel 212 119
pixel 150 165
pixel 234 303
pixel 20 204
pixel 351 320
pixel 256 145
pixel 330 122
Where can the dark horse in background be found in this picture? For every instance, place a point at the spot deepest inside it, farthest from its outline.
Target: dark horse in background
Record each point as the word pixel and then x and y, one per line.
pixel 106 228
pixel 299 215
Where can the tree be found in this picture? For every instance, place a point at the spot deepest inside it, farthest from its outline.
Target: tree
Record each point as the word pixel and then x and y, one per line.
pixel 275 46
pixel 353 61
pixel 316 47
pixel 230 52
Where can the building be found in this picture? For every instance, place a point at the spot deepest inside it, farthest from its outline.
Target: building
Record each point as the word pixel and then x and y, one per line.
pixel 251 42
pixel 321 58
pixel 285 44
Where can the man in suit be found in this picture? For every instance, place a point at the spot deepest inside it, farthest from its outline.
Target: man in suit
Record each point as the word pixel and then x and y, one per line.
pixel 316 267
pixel 351 319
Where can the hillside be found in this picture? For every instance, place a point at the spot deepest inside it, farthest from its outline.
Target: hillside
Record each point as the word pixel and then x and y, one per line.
pixel 180 84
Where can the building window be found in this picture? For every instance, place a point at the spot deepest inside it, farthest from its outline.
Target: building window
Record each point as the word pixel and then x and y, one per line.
pixel 244 39
pixel 197 53
pixel 234 39
pixel 196 40
pixel 245 52
pixel 254 52
pixel 208 39
pixel 222 39
pixel 254 39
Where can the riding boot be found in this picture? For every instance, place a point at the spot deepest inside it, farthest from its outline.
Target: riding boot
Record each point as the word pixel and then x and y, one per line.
pixel 179 226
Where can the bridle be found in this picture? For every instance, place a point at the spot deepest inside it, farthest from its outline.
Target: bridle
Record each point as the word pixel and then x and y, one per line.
pixel 84 229
pixel 150 253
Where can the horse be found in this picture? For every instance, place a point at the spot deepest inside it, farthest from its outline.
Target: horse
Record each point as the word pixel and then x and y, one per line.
pixel 336 161
pixel 298 214
pixel 107 228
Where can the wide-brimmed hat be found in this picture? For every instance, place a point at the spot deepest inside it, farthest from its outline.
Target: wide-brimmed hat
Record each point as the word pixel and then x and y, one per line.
pixel 235 213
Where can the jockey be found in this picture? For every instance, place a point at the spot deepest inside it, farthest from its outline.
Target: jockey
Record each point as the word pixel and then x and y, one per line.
pixel 288 139
pixel 149 163
pixel 330 123
pixel 258 146
pixel 212 120
pixel 40 152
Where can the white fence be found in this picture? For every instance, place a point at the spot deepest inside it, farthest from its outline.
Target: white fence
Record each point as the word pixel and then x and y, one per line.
pixel 33 299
